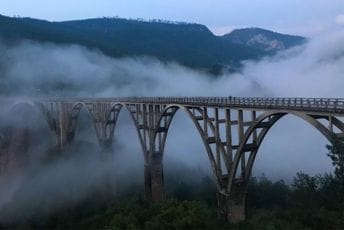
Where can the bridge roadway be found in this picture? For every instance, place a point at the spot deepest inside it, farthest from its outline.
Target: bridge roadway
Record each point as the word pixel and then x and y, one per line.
pixel 321 105
pixel 231 128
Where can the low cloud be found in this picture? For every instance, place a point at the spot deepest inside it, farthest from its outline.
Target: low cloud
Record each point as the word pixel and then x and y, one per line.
pixel 340 19
pixel 314 70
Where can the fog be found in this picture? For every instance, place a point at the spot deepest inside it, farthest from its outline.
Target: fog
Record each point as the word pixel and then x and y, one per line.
pixel 32 69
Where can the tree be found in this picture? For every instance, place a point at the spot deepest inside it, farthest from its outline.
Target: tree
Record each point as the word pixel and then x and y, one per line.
pixel 336 153
pixel 305 194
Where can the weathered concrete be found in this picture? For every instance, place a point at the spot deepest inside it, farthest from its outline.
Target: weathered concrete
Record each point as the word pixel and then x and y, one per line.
pixel 154 180
pixel 232 207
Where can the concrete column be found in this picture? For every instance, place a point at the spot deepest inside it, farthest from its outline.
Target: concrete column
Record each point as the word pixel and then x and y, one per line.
pixel 232 207
pixel 154 179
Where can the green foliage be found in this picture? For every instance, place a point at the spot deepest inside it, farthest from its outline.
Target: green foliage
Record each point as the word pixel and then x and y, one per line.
pixel 170 214
pixel 311 202
pixel 272 205
pixel 266 194
pixel 336 153
pixel 186 189
pixel 305 190
pixel 314 202
pixel 336 185
pixel 271 220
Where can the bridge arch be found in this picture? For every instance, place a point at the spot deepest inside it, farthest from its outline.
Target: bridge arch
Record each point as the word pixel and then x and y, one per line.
pixel 111 121
pixel 104 124
pixel 74 117
pixel 165 121
pixel 265 122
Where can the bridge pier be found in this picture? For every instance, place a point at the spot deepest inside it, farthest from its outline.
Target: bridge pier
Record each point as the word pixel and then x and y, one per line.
pixel 154 179
pixel 232 207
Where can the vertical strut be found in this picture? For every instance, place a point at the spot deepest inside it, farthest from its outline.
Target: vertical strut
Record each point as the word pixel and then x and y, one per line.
pixel 241 136
pixel 218 141
pixel 229 135
pixel 145 125
pixel 330 123
pixel 205 122
pixel 253 118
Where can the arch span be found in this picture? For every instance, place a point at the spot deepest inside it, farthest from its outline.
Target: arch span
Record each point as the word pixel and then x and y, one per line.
pixel 73 120
pixel 111 121
pixel 197 116
pixel 104 121
pixel 265 122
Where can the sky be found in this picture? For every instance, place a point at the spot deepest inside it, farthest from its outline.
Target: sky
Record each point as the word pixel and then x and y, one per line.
pixel 306 17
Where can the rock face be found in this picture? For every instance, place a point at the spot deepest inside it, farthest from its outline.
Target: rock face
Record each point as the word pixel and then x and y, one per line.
pixel 260 40
pixel 263 40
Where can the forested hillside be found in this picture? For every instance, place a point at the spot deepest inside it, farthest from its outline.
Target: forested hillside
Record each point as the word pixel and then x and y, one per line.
pixel 189 44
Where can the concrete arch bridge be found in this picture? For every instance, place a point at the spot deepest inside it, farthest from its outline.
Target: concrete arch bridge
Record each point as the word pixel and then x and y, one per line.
pixel 232 129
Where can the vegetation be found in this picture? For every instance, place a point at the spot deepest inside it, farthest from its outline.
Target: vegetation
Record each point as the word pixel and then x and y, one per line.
pixel 310 202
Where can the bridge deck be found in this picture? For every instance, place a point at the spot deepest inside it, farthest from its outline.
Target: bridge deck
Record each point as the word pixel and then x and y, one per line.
pixel 321 105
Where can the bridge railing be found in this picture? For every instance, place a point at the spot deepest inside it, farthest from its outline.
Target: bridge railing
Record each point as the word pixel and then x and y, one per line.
pixel 312 104
pixel 328 104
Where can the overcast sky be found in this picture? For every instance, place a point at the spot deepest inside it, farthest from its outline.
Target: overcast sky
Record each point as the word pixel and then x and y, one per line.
pixel 305 17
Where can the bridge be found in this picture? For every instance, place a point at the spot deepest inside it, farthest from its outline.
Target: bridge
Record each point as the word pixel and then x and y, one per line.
pixel 231 128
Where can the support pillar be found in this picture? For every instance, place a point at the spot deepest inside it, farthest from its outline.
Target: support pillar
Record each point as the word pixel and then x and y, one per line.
pixel 232 207
pixel 154 179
